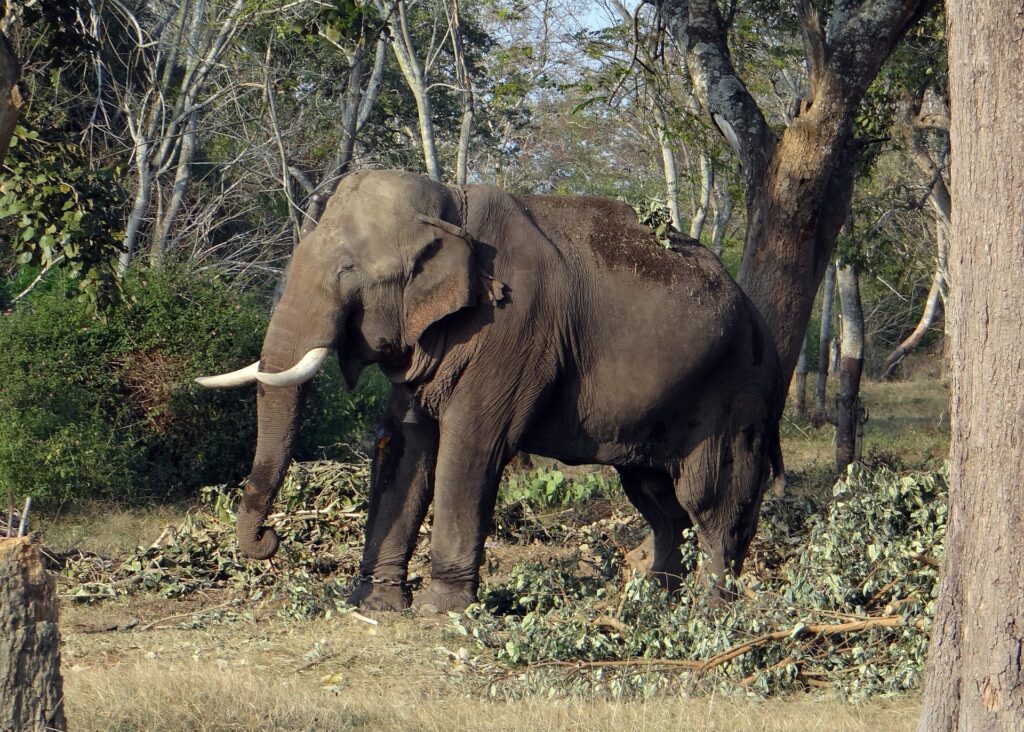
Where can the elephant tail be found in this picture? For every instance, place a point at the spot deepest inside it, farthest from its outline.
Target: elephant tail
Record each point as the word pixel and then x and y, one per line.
pixel 778 467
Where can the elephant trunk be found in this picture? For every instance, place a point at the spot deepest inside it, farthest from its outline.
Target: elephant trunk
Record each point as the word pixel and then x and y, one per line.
pixel 305 319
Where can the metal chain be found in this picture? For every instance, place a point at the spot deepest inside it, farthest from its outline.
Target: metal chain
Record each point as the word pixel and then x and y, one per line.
pixel 369 579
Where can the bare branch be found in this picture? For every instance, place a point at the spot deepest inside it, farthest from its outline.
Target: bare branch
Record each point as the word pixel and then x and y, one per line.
pixel 815 47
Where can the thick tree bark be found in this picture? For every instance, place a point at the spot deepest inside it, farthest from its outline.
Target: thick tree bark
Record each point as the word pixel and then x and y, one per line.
pixel 851 364
pixel 828 292
pixel 798 186
pixel 30 681
pixel 11 101
pixel 975 679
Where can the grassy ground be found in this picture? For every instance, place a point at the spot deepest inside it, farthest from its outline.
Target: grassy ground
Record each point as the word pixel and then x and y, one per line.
pixel 149 663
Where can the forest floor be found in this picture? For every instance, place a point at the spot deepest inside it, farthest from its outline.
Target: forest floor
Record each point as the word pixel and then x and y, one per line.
pixel 147 662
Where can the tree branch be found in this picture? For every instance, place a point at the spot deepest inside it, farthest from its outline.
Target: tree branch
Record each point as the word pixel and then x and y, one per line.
pixel 815 47
pixel 699 31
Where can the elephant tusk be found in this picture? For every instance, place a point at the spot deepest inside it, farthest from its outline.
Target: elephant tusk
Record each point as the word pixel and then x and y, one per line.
pixel 300 373
pixel 234 378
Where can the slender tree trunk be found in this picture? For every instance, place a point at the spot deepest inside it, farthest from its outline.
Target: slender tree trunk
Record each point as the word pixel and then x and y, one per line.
pixel 414 75
pixel 30 680
pixel 975 676
pixel 668 167
pixel 707 182
pixel 849 413
pixel 11 101
pixel 931 309
pixel 140 206
pixel 182 178
pixel 828 289
pixel 465 96
pixel 723 213
pixel 800 381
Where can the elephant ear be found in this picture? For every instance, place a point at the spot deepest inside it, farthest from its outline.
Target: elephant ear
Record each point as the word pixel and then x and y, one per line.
pixel 442 279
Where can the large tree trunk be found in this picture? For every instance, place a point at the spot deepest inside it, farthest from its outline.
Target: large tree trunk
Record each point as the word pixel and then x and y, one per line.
pixel 798 185
pixel 975 679
pixel 828 293
pixel 30 681
pixel 848 408
pixel 10 94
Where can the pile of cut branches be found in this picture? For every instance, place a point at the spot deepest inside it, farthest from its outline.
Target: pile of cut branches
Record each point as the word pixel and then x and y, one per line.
pixel 320 515
pixel 840 597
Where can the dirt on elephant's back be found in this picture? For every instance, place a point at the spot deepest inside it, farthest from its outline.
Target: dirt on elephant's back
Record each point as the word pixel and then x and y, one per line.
pixel 610 230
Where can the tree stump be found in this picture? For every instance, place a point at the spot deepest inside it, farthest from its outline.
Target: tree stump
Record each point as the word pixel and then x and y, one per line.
pixel 30 681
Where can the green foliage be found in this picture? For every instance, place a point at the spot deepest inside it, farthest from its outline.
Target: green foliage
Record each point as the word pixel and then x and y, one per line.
pixel 54 208
pixel 812 579
pixel 545 489
pixel 105 407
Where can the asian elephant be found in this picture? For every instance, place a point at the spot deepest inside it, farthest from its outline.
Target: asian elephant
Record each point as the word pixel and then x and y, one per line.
pixel 551 324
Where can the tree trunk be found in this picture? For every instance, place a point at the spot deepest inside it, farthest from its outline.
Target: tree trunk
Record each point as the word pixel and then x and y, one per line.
pixel 139 207
pixel 707 181
pixel 931 309
pixel 466 97
pixel 182 178
pixel 723 213
pixel 10 94
pixel 800 381
pixel 975 679
pixel 412 70
pixel 828 289
pixel 849 413
pixel 30 681
pixel 668 166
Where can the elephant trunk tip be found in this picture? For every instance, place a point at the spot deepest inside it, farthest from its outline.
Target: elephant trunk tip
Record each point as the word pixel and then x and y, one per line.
pixel 262 545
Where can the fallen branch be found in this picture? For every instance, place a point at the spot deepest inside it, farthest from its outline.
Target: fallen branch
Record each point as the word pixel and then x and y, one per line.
pixel 800 630
pixel 925 559
pixel 316 662
pixel 699 667
pixel 152 626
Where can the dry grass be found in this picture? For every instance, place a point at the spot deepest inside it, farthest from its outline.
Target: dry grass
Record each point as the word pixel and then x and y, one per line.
pixel 399 675
pixel 105 528
pixel 145 696
pixel 907 420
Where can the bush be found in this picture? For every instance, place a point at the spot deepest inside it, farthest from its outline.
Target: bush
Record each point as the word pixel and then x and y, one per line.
pixel 105 408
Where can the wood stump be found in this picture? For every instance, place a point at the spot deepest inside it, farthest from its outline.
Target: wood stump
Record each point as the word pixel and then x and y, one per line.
pixel 30 683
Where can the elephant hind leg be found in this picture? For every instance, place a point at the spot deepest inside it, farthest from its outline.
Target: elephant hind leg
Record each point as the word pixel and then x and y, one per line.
pixel 721 484
pixel 653 496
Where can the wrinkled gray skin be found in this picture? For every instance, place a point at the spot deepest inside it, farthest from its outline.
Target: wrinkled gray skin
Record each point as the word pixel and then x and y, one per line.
pixel 553 325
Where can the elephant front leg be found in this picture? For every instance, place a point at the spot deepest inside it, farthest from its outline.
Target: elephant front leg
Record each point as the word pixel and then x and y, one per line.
pixel 401 486
pixel 464 496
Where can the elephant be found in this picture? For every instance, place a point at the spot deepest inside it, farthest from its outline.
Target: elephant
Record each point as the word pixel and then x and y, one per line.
pixel 555 325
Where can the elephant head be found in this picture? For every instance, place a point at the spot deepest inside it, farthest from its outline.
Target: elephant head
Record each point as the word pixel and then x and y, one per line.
pixel 388 260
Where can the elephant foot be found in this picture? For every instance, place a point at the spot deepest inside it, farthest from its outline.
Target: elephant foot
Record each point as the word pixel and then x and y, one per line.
pixel 442 597
pixel 381 597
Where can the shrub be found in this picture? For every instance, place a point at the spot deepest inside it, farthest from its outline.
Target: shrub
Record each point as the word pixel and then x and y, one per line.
pixel 105 408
